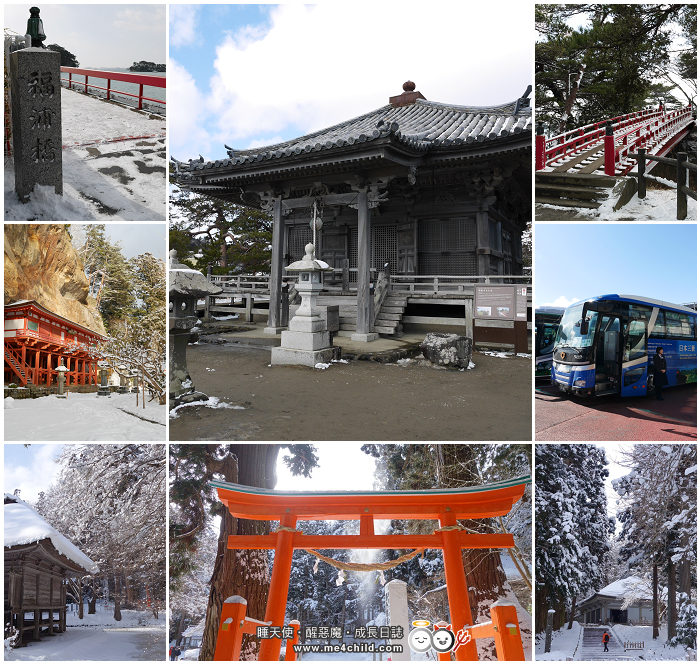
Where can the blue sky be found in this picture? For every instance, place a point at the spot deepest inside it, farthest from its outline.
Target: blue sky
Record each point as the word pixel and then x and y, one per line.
pixel 253 75
pixel 577 261
pixel 31 470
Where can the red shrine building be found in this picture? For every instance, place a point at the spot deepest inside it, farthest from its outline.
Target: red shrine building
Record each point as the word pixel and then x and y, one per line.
pixel 35 341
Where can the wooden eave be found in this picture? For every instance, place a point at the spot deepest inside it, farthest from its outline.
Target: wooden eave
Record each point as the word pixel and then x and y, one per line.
pixel 43 550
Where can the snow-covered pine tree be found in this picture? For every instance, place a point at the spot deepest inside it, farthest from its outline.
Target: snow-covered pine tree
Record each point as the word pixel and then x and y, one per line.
pixel 572 529
pixel 659 518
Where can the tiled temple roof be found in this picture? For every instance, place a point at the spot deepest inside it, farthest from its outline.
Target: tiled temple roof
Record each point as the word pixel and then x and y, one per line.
pixel 419 126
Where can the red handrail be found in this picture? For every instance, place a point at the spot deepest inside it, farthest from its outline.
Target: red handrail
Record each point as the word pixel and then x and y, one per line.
pixel 140 79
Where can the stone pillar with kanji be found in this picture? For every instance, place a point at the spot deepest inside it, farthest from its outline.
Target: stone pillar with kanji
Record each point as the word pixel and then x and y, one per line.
pixel 35 81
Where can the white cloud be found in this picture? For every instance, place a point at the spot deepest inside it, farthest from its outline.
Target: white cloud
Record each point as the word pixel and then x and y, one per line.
pixel 183 24
pixel 563 301
pixel 37 471
pixel 185 101
pixel 319 65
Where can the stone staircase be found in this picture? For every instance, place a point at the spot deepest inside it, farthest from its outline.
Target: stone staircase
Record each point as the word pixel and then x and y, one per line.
pixel 567 189
pixel 592 646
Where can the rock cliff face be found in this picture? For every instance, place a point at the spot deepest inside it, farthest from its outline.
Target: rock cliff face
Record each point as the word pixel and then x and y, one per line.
pixel 41 264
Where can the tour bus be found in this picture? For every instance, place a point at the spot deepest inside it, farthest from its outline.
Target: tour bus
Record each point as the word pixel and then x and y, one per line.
pixel 546 325
pixel 606 345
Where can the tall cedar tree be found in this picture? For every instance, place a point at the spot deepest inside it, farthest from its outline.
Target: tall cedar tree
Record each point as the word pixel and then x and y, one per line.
pixel 623 48
pixel 659 520
pixel 572 529
pixel 228 235
pixel 241 573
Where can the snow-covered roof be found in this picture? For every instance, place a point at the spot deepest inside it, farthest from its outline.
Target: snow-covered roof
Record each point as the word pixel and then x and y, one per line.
pixel 627 586
pixel 196 630
pixel 24 525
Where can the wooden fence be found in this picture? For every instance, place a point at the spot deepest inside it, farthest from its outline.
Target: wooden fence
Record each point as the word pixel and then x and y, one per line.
pixel 682 188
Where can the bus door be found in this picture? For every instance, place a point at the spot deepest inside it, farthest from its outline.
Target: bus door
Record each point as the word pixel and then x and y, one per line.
pixel 635 358
pixel 607 361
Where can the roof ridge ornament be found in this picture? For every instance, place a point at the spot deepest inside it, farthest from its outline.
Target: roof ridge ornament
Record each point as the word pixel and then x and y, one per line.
pixel 408 97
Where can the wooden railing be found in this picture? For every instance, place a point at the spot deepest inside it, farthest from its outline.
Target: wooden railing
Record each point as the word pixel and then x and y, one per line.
pixel 140 79
pixel 450 284
pixel 549 150
pixel 682 188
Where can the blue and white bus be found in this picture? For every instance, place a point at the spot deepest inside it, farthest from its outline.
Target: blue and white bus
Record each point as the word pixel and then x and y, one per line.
pixel 606 345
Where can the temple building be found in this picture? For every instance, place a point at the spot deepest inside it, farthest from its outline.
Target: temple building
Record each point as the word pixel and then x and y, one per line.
pixel 38 561
pixel 628 600
pixel 427 192
pixel 35 341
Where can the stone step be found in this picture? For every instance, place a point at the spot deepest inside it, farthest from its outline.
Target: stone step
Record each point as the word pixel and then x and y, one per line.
pixel 348 320
pixel 384 330
pixel 396 302
pixel 386 323
pixel 567 191
pixel 561 202
pixel 393 309
pixel 574 179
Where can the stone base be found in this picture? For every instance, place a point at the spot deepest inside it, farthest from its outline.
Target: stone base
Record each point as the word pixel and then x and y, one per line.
pixel 305 341
pixel 276 330
pixel 364 337
pixel 122 389
pixel 104 393
pixel 283 356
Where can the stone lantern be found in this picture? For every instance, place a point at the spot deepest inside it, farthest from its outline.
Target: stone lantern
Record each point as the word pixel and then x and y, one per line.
pixel 134 375
pixel 307 342
pixel 186 286
pixel 61 369
pixel 121 371
pixel 103 391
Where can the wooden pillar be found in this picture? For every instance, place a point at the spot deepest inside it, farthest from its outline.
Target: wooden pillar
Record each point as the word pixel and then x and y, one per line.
pixel 509 644
pixel 279 588
pixel 273 320
pixel 249 302
pixel 469 317
pixel 290 654
pixel 37 624
pixel 68 374
pixel 363 329
pixel 36 368
pixel 457 591
pixel 230 637
pixel 483 262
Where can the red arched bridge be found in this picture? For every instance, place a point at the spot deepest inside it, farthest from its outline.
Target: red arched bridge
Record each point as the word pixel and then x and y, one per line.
pixel 579 164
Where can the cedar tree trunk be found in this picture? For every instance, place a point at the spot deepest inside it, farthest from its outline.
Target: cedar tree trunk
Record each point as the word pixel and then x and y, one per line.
pixel 672 609
pixel 240 573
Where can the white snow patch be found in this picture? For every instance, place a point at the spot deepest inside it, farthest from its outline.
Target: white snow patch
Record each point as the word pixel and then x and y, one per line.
pixel 85 417
pixel 213 403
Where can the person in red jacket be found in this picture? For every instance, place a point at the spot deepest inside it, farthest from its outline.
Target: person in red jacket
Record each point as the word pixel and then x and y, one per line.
pixel 606 639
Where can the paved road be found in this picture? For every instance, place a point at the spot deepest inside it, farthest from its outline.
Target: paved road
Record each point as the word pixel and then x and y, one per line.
pixel 564 417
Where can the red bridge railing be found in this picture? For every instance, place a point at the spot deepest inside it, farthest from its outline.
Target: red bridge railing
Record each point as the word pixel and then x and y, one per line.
pixel 637 128
pixel 140 79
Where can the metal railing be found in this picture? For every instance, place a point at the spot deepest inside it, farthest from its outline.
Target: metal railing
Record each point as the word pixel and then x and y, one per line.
pixel 140 79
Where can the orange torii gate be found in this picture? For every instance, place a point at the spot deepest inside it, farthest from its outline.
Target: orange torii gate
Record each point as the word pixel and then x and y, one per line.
pixel 445 505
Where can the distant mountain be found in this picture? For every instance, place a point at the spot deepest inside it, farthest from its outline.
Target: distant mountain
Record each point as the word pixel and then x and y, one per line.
pixel 147 66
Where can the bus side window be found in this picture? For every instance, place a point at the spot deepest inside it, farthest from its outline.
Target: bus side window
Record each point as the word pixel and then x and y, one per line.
pixel 636 342
pixel 687 326
pixel 673 325
pixel 659 329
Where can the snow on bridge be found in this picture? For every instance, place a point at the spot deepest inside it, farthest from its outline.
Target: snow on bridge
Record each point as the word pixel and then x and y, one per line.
pixel 114 166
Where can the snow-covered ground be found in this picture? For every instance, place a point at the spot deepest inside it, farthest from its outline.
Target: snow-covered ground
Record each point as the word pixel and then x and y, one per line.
pixel 565 644
pixel 114 166
pixel 85 417
pixel 659 205
pixel 98 637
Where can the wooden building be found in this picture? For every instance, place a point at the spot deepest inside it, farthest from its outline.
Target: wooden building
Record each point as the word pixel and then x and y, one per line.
pixel 38 560
pixel 426 189
pixel 35 341
pixel 626 601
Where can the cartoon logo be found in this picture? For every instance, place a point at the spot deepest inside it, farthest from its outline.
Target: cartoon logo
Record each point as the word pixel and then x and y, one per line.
pixel 441 638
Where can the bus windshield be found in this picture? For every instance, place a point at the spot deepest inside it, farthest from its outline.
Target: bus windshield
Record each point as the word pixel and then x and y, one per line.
pixel 569 334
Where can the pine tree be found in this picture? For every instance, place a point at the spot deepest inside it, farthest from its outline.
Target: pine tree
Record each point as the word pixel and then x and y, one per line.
pixel 233 237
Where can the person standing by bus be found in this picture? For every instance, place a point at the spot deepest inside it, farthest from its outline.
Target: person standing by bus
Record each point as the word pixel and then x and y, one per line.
pixel 660 378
